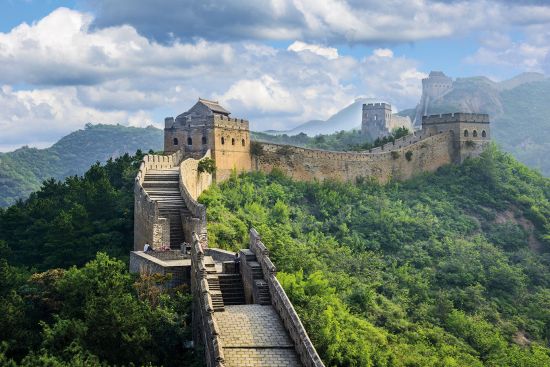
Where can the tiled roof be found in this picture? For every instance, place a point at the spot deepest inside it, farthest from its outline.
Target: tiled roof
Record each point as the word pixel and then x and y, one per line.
pixel 214 106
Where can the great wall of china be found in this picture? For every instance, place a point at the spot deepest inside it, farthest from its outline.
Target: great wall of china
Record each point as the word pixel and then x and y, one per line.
pixel 241 314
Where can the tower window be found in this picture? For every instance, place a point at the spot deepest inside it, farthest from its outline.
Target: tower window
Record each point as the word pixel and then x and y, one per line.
pixel 465 133
pixel 475 134
pixel 483 134
pixel 189 141
pixel 243 142
pixel 232 141
pixel 203 140
pixel 175 141
pixel 223 140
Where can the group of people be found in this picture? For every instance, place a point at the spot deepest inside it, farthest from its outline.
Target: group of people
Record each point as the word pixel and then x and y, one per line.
pixel 148 248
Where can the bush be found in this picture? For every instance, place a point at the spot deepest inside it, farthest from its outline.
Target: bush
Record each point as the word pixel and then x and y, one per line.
pixel 207 165
pixel 409 155
pixel 256 148
pixel 395 154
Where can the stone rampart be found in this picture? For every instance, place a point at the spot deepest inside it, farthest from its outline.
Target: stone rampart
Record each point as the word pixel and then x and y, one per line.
pixel 303 345
pixel 400 160
pixel 166 263
pixel 147 224
pixel 206 331
pixel 192 184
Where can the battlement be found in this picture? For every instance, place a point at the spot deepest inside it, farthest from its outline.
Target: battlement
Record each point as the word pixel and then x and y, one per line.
pixel 226 119
pixel 376 106
pixel 457 117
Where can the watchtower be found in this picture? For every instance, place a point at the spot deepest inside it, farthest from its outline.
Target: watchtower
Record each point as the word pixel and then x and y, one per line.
pixel 376 120
pixel 470 132
pixel 207 125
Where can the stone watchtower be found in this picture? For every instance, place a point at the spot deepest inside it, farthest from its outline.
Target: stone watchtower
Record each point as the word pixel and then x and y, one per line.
pixel 207 125
pixel 470 132
pixel 378 121
pixel 435 86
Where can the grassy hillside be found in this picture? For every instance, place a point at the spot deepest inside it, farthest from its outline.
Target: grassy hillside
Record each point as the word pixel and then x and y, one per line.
pixel 22 171
pixel 520 114
pixel 448 269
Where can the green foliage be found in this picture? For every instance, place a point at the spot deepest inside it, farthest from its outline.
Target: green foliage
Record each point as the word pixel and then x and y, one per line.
pixel 92 316
pixel 256 148
pixel 448 269
pixel 207 165
pixel 409 155
pixel 66 223
pixel 23 170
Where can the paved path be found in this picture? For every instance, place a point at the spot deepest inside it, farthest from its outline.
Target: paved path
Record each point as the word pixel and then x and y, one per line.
pixel 253 335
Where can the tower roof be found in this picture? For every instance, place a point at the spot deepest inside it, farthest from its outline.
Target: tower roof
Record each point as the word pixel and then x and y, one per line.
pixel 214 106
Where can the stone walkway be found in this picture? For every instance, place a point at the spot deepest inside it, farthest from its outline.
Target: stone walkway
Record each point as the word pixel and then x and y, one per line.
pixel 253 335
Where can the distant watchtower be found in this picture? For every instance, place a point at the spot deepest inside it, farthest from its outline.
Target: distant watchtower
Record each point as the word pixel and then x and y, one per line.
pixel 207 125
pixel 470 132
pixel 378 121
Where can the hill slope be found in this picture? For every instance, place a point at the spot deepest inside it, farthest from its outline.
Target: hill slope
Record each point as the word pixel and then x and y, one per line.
pixel 449 269
pixel 23 170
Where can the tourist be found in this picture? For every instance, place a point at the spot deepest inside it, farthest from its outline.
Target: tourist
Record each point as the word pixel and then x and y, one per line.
pixel 147 247
pixel 237 263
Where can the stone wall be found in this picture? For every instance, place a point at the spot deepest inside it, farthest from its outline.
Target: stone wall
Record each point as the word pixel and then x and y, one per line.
pixel 147 227
pixel 393 160
pixel 304 347
pixel 164 263
pixel 231 146
pixel 192 184
pixel 205 329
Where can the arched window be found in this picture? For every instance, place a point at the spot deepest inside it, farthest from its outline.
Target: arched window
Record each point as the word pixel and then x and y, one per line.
pixel 483 134
pixel 475 134
pixel 465 133
pixel 203 140
pixel 175 141
pixel 223 140
pixel 189 141
pixel 232 141
pixel 243 142
pixel 375 117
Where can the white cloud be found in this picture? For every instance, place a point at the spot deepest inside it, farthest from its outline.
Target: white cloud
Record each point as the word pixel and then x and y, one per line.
pixel 328 52
pixel 314 21
pixel 65 73
pixel 529 54
pixel 383 52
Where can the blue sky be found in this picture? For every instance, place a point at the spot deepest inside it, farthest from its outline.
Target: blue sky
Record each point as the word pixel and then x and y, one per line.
pixel 277 62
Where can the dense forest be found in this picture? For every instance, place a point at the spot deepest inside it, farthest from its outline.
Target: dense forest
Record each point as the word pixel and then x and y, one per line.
pixel 66 297
pixel 447 269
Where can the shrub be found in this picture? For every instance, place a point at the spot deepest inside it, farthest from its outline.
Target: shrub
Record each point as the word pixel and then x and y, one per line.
pixel 409 155
pixel 256 148
pixel 207 165
pixel 395 154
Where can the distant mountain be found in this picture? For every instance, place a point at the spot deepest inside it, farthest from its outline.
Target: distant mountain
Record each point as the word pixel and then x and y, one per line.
pixel 348 118
pixel 23 170
pixel 519 109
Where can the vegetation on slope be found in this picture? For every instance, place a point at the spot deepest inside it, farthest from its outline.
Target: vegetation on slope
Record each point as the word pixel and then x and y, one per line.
pixel 448 269
pixel 97 314
pixel 22 171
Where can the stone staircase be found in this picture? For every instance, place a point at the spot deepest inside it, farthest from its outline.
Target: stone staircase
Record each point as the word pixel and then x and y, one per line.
pixel 162 186
pixel 214 285
pixel 232 289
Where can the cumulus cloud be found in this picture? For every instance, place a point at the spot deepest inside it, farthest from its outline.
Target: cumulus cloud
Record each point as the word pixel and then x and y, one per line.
pixel 529 54
pixel 313 21
pixel 328 52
